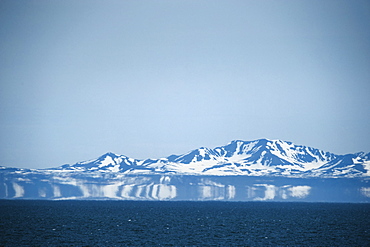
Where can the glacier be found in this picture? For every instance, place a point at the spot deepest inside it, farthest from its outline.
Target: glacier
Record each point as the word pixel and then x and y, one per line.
pixel 260 170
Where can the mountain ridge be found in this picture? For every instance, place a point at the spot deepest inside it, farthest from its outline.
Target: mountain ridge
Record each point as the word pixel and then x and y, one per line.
pixel 261 157
pixel 259 170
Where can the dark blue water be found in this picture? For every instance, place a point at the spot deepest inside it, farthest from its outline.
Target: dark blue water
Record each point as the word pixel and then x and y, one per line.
pixel 128 223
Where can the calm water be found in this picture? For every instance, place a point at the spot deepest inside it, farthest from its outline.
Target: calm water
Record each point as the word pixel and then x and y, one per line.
pixel 127 223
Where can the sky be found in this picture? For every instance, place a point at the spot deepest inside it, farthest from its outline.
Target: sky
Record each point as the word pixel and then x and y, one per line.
pixel 148 79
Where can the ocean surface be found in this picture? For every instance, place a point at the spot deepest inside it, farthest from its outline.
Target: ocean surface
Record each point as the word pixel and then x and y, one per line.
pixel 158 223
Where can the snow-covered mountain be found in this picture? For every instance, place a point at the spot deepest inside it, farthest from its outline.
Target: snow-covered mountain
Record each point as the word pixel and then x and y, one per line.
pixel 251 158
pixel 260 170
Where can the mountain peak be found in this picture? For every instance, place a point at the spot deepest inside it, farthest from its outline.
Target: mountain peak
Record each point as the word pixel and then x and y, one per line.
pixel 110 154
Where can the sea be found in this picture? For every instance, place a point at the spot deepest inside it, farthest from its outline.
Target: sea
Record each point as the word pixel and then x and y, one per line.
pixel 182 223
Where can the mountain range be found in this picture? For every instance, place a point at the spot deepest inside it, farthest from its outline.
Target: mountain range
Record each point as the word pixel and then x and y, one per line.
pixel 257 170
pixel 250 158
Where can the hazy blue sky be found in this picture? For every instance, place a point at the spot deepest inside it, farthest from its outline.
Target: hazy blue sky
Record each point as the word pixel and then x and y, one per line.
pixel 148 79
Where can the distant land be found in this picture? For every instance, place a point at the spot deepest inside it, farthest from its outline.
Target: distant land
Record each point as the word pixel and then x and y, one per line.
pixel 260 170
